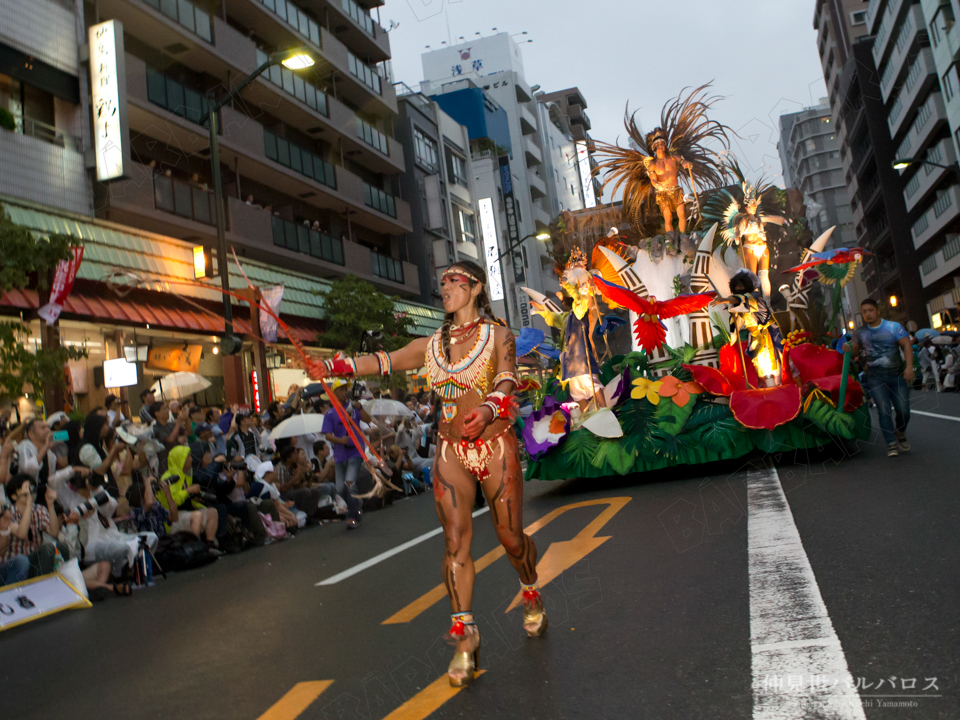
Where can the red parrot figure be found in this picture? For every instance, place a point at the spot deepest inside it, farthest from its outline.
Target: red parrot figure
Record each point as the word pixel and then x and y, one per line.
pixel 651 332
pixel 837 256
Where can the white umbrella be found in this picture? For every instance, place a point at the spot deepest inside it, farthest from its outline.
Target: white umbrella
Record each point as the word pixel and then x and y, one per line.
pixel 387 408
pixel 298 425
pixel 179 385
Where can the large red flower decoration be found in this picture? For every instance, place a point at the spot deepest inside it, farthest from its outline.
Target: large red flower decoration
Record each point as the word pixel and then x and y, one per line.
pixel 822 368
pixel 753 407
pixel 766 408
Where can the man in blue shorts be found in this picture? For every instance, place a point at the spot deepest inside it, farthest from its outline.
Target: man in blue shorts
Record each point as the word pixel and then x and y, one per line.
pixel 888 375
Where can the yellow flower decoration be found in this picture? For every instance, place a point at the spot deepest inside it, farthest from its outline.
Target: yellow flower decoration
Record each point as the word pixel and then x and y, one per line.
pixel 648 389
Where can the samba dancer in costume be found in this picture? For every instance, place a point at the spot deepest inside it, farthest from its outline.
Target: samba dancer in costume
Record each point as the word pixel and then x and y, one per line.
pixel 471 363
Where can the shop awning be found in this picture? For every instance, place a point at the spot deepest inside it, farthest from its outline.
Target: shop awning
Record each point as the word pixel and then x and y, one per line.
pixel 161 312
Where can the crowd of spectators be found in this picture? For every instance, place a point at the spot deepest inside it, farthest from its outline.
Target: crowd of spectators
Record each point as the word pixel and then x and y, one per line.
pixel 107 490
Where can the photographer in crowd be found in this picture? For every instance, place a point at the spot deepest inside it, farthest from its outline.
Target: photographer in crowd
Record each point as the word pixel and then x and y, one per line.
pixel 13 568
pixel 167 430
pixel 37 458
pixel 293 476
pixel 29 522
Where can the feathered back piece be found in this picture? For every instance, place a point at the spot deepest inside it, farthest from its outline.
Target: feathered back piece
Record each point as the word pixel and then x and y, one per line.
pixel 685 127
pixel 733 208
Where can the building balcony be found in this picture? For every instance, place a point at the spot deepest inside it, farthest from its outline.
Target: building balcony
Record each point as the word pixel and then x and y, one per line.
pixel 944 262
pixel 920 78
pixel 927 177
pixel 541 217
pixel 528 121
pixel 944 211
pixel 354 26
pixel 931 116
pixel 532 152
pixel 228 54
pixel 947 301
pixel 538 189
pixel 39 167
pixel 578 132
pixel 272 239
pixel 884 34
pixel 524 93
pixel 901 49
pixel 358 82
pixel 329 187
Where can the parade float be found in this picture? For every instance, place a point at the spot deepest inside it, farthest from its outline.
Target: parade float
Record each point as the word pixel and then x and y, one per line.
pixel 713 372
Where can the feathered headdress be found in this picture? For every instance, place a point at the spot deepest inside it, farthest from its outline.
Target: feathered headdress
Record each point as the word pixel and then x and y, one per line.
pixel 685 128
pixel 733 209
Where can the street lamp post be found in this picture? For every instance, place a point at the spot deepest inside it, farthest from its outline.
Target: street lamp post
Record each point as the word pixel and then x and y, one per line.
pixel 539 236
pixel 904 163
pixel 295 59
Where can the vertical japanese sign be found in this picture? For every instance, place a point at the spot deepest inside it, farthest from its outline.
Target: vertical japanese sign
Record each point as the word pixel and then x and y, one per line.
pixel 491 249
pixel 63 279
pixel 513 238
pixel 108 90
pixel 586 180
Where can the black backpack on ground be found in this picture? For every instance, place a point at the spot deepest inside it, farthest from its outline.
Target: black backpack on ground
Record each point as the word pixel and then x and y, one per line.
pixel 182 551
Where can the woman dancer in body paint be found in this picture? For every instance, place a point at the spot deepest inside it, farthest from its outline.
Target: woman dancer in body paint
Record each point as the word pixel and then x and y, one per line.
pixel 471 362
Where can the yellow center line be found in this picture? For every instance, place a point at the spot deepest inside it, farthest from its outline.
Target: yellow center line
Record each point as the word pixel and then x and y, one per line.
pixel 427 701
pixel 580 546
pixel 296 700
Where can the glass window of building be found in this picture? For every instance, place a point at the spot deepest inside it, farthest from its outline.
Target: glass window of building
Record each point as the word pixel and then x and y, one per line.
pixel 425 149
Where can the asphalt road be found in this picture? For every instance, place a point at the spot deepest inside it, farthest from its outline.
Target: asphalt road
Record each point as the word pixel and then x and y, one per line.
pixel 662 620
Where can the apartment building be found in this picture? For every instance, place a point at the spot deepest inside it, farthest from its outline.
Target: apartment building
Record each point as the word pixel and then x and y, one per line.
pixel 915 105
pixel 439 181
pixel 43 104
pixel 309 161
pixel 940 270
pixel 566 111
pixel 480 83
pixel 860 111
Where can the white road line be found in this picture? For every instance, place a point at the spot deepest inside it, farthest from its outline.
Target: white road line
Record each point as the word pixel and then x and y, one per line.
pixel 942 417
pixel 799 669
pixel 350 572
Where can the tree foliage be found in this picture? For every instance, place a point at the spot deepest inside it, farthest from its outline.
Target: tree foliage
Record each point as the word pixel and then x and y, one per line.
pixel 352 307
pixel 20 367
pixel 23 255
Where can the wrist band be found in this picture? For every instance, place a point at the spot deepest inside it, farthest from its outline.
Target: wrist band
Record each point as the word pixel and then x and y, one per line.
pixel 386 364
pixel 504 407
pixel 340 366
pixel 4 533
pixel 507 375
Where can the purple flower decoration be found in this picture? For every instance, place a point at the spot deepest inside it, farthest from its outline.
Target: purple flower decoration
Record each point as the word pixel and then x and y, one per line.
pixel 546 428
pixel 616 388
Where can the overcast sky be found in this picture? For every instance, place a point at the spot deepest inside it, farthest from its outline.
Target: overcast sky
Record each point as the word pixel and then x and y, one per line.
pixel 760 54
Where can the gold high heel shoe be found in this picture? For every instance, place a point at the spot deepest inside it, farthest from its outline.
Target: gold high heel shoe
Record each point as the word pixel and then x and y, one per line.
pixel 533 611
pixel 466 662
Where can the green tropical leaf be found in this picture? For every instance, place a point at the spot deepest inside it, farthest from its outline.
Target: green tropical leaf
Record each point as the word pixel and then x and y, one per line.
pixel 791 436
pixel 707 412
pixel 611 369
pixel 670 418
pixel 613 453
pixel 579 449
pixel 831 420
pixel 679 449
pixel 634 416
pixel 722 435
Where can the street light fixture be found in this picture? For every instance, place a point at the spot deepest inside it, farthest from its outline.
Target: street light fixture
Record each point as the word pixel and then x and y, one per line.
pixel 904 163
pixel 293 59
pixel 539 236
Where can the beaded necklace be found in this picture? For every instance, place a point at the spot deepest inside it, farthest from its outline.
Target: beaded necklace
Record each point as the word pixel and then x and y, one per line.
pixel 452 380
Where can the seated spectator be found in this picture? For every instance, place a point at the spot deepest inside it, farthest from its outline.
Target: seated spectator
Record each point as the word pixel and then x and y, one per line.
pixel 13 568
pixel 166 431
pixel 293 481
pixel 114 411
pixel 323 462
pixel 263 488
pixel 87 503
pixel 218 436
pixel 147 398
pixel 401 463
pixel 245 441
pixel 102 449
pixel 195 417
pixel 28 523
pixel 36 456
pixel 184 493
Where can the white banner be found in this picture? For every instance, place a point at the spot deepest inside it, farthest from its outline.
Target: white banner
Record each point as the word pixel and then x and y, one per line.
pixel 491 249
pixel 271 297
pixel 33 599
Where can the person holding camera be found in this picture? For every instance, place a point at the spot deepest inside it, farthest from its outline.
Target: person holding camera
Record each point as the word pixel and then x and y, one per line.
pixel 13 568
pixel 293 481
pixel 245 441
pixel 185 494
pixel 167 430
pixel 37 458
pixel 102 449
pixel 90 506
pixel 28 524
